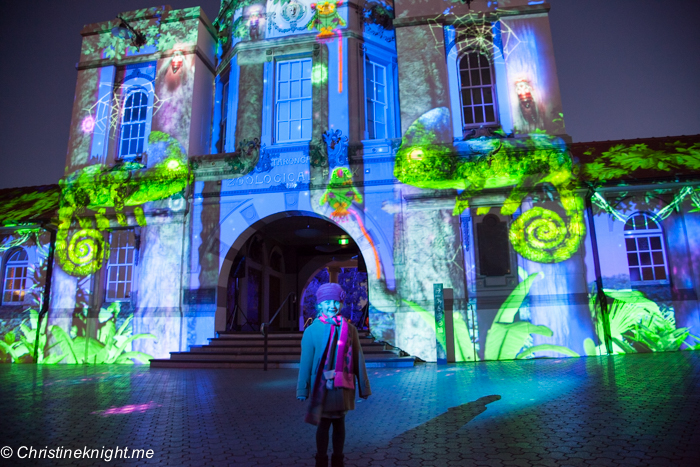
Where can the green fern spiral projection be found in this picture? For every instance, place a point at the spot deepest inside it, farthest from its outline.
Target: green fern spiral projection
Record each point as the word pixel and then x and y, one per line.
pixel 85 252
pixel 541 235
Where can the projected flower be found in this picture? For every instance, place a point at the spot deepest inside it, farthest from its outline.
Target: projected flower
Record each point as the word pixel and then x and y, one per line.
pixel 88 124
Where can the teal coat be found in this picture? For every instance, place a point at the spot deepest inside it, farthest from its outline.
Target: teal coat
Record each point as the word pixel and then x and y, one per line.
pixel 312 346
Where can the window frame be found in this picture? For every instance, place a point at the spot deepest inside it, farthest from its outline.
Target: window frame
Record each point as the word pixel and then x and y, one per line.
pixel 379 57
pixel 646 233
pixel 114 252
pixel 145 121
pixel 276 101
pixel 134 81
pixel 463 55
pixel 7 263
pixel 223 123
pixel 372 102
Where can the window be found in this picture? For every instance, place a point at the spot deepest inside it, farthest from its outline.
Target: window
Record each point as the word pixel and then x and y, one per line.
pixel 120 268
pixel 376 95
pixel 645 249
pixel 133 125
pixel 293 101
pixel 15 277
pixel 476 89
pixel 493 244
pixel 221 144
pixel 276 261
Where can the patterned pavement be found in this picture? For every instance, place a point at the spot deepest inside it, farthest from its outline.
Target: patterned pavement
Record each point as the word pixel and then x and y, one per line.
pixel 629 410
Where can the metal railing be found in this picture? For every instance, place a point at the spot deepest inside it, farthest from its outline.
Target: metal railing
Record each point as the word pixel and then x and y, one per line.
pixel 264 326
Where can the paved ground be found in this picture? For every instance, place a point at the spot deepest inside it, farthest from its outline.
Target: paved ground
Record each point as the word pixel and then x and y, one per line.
pixel 627 410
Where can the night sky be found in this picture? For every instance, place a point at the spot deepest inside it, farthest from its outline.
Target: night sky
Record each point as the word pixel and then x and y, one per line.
pixel 627 69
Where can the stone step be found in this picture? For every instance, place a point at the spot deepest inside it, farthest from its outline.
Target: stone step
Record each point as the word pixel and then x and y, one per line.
pixel 253 357
pixel 261 342
pixel 257 334
pixel 271 355
pixel 398 362
pixel 272 335
pixel 247 350
pixel 367 348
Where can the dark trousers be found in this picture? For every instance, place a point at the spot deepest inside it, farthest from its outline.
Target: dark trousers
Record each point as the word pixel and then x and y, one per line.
pixel 338 435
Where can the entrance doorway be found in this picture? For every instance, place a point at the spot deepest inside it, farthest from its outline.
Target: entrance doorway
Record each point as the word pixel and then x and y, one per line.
pixel 271 270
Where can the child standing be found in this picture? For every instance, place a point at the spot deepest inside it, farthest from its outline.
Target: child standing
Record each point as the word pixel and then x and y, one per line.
pixel 331 359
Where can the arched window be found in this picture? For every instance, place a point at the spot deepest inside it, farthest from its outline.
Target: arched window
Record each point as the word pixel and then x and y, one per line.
pixel 133 127
pixel 477 90
pixel 255 250
pixel 646 255
pixel 276 261
pixel 15 283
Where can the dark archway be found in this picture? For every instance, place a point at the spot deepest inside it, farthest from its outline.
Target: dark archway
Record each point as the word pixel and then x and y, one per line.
pixel 272 258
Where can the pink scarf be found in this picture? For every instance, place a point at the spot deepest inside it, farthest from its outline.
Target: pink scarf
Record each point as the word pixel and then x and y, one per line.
pixel 342 376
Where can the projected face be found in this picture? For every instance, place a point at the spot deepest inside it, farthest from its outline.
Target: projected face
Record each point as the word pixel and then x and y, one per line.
pixel 528 106
pixel 524 90
pixel 329 308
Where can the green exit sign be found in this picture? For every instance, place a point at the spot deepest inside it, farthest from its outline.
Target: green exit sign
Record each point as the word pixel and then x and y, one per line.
pixel 343 241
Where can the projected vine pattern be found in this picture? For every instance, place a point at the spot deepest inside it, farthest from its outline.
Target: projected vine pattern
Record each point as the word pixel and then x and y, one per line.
pixel 161 29
pixel 100 187
pixel 538 234
pixel 625 161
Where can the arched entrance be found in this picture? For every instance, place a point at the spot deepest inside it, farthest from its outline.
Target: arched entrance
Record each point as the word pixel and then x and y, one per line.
pixel 273 259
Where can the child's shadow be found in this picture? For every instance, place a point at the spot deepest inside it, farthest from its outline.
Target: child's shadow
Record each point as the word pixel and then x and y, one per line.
pixel 445 425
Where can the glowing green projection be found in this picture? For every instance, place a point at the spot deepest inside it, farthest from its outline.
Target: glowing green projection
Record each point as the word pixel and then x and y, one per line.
pixel 319 73
pixel 507 338
pixel 662 214
pixel 110 346
pixel 325 19
pixel 637 324
pixel 340 193
pixel 22 206
pixel 100 187
pixel 621 160
pixel 162 30
pixel 539 234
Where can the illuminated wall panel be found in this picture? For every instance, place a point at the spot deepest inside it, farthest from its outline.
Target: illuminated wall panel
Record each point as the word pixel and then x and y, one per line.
pixel 496 213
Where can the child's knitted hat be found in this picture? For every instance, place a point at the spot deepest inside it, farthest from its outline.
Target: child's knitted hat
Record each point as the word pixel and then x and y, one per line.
pixel 330 292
